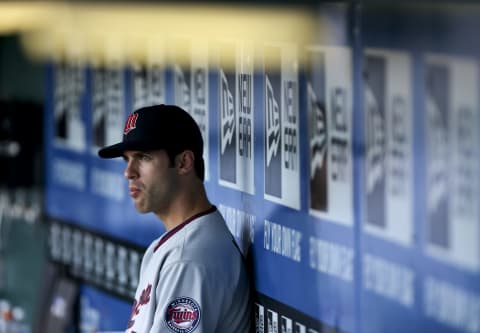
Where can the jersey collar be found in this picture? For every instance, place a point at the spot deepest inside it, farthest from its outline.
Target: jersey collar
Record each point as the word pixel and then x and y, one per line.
pixel 183 224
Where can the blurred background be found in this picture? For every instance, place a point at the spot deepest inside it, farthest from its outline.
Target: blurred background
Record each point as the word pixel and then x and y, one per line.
pixel 342 148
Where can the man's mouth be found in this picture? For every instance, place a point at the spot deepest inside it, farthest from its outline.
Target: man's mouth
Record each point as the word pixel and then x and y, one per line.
pixel 134 191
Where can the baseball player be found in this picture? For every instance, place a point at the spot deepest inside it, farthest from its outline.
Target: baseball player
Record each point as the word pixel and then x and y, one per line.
pixel 192 278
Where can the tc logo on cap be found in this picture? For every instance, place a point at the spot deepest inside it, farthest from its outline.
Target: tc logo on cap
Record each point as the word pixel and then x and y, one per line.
pixel 131 123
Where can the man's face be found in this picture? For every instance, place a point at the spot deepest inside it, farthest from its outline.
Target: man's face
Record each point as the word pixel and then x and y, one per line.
pixel 152 181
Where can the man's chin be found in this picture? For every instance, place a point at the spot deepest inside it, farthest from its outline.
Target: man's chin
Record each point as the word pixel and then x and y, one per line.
pixel 141 209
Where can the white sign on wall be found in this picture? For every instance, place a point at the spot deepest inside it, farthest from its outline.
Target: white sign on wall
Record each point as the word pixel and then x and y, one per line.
pixel 389 150
pixel 452 160
pixel 329 108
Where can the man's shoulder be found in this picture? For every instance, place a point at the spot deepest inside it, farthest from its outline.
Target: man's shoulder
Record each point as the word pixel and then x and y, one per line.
pixel 210 239
pixel 201 240
pixel 210 231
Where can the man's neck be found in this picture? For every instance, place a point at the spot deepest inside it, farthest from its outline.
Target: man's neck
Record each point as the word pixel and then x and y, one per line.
pixel 184 207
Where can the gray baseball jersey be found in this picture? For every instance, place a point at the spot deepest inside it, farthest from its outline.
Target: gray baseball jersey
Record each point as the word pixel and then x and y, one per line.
pixel 193 279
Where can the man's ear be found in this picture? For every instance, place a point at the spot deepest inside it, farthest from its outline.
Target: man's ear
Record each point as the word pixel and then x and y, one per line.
pixel 184 162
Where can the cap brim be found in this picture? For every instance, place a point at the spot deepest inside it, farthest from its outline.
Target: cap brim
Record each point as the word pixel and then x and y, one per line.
pixel 117 150
pixel 112 151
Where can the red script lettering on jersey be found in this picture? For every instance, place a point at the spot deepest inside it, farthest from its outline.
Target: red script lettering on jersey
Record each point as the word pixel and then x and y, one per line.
pixel 144 299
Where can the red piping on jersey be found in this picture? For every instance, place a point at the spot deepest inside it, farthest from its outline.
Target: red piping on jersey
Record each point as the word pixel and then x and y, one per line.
pixel 180 226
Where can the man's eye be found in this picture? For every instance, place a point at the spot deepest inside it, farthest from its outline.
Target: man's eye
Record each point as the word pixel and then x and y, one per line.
pixel 145 157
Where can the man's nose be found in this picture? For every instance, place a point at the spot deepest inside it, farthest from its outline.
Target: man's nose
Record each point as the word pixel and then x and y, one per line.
pixel 130 171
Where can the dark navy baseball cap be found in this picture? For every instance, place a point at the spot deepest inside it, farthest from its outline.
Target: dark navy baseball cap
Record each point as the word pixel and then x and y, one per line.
pixel 157 127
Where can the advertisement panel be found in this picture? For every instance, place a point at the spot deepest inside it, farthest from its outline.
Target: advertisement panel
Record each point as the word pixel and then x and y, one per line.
pixel 282 163
pixel 329 108
pixel 236 117
pixel 452 160
pixel 388 106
